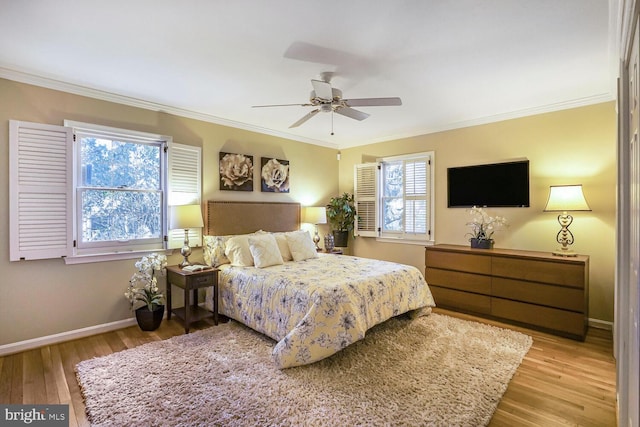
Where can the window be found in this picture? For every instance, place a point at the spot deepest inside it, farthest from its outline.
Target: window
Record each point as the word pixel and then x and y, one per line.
pixel 83 190
pixel 394 198
pixel 120 190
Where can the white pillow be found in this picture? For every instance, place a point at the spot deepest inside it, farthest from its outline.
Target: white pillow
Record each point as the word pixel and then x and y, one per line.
pixel 264 250
pixel 237 250
pixel 301 245
pixel 283 245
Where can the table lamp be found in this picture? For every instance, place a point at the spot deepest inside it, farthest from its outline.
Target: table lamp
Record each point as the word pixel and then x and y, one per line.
pixel 185 217
pixel 564 198
pixel 315 215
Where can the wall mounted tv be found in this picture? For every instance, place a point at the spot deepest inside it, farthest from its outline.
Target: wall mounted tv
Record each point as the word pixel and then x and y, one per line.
pixel 491 185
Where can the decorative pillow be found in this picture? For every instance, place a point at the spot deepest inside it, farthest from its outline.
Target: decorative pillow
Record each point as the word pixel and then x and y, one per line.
pixel 264 250
pixel 213 250
pixel 237 250
pixel 283 245
pixel 301 245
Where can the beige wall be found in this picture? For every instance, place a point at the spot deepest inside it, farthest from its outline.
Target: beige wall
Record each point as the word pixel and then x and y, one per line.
pixel 576 146
pixel 42 298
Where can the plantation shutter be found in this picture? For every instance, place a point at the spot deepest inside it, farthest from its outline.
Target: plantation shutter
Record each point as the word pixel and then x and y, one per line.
pixel 416 183
pixel 185 183
pixel 40 191
pixel 366 199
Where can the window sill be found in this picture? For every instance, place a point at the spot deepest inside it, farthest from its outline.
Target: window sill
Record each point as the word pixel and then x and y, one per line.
pixel 88 258
pixel 405 241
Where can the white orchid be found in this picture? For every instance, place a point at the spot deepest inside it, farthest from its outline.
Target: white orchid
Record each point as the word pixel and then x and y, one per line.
pixel 143 285
pixel 482 225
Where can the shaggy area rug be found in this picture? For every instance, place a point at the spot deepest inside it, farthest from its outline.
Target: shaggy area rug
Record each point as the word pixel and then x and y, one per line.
pixel 434 371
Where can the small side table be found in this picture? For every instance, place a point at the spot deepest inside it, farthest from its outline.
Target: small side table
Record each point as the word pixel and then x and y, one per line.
pixel 192 281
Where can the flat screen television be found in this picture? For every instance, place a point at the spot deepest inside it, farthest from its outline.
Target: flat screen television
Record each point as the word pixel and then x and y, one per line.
pixel 491 185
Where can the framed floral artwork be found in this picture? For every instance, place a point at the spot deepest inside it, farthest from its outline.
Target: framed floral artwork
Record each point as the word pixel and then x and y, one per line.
pixel 236 172
pixel 274 175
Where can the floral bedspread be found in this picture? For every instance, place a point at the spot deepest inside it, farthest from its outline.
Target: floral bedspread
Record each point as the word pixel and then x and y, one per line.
pixel 315 308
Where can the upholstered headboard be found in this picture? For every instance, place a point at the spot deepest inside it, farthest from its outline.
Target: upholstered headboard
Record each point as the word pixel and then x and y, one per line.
pixel 226 217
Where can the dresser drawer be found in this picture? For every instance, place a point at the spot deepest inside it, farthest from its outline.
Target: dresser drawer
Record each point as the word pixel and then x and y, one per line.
pixel 456 280
pixel 539 271
pixel 456 261
pixel 553 296
pixel 459 300
pixel 565 322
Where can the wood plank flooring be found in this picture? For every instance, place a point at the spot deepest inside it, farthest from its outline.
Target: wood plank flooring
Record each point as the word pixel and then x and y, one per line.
pixel 560 382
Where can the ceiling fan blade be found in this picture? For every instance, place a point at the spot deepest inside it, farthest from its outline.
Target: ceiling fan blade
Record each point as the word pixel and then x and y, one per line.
pixel 305 118
pixel 350 112
pixel 282 105
pixel 322 89
pixel 373 102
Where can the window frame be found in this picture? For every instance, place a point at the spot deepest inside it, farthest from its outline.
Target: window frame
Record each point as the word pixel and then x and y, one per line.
pixel 81 130
pixel 366 199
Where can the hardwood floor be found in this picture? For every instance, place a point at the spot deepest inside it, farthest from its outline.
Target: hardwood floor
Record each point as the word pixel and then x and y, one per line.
pixel 560 382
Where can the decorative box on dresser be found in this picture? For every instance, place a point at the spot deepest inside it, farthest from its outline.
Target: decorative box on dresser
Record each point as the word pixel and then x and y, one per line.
pixel 534 289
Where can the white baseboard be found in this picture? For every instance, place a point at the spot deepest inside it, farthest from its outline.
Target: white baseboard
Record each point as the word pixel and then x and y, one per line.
pixel 601 324
pixel 64 336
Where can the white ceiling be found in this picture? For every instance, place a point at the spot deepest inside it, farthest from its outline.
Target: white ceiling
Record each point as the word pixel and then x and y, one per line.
pixel 453 63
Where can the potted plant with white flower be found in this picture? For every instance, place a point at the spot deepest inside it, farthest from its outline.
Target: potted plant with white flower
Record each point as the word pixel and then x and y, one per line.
pixel 143 293
pixel 482 228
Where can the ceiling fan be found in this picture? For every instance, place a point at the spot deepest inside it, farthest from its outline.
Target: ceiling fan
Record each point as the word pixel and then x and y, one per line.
pixel 328 99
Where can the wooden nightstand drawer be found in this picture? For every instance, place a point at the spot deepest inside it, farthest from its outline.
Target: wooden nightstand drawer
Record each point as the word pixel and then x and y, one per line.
pixel 203 281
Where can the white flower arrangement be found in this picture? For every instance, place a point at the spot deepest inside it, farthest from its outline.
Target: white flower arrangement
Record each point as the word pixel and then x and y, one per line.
pixel 143 285
pixel 482 225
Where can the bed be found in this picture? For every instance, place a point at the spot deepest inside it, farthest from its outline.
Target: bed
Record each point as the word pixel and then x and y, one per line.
pixel 312 304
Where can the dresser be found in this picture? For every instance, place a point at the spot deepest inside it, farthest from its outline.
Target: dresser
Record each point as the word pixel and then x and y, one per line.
pixel 533 289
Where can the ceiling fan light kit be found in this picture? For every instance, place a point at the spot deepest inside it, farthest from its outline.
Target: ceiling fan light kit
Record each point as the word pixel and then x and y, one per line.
pixel 328 99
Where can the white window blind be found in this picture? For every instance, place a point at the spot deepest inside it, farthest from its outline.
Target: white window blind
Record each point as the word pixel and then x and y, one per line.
pixel 416 215
pixel 41 197
pixel 365 195
pixel 185 185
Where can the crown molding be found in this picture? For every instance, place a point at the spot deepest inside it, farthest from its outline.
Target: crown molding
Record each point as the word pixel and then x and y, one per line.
pixel 51 83
pixel 550 108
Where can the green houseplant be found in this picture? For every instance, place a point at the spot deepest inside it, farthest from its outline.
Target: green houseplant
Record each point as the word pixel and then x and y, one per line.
pixel 341 215
pixel 143 288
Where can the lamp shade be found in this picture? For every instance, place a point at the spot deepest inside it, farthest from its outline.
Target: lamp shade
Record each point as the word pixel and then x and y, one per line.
pixel 314 215
pixel 564 198
pixel 185 216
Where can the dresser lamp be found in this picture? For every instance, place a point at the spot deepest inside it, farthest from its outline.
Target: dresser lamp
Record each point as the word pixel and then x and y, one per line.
pixel 564 198
pixel 184 217
pixel 315 215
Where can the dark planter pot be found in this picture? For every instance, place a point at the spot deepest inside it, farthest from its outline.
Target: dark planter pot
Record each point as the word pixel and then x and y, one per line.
pixel 340 239
pixel 149 320
pixel 481 243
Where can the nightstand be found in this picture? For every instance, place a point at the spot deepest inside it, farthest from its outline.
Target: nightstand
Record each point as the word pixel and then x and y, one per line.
pixel 192 281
